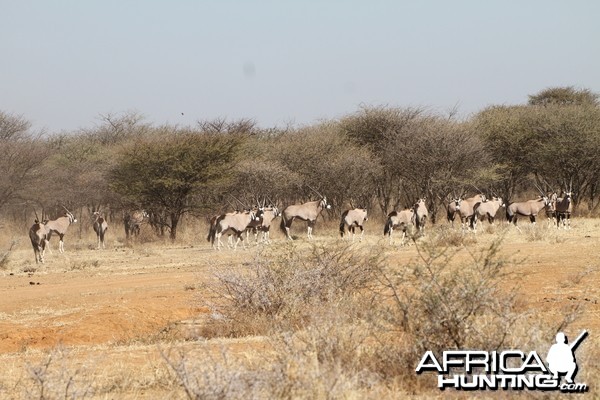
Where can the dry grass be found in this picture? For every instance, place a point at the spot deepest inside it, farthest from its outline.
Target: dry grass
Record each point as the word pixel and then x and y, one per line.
pixel 327 319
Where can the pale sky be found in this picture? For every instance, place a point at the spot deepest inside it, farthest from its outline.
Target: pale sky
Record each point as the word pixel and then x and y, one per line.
pixel 63 63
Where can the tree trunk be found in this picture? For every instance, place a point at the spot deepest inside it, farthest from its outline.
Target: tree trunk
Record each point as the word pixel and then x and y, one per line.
pixel 174 223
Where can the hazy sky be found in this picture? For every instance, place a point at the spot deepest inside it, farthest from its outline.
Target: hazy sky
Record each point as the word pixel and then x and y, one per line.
pixel 62 63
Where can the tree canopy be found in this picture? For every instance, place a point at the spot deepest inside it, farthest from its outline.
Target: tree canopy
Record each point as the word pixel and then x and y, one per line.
pixel 173 173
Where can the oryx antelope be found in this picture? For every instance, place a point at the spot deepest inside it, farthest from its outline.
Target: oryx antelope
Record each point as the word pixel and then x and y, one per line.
pixel 132 221
pixel 236 222
pixel 60 227
pixel 100 227
pixel 212 226
pixel 452 209
pixel 263 224
pixel 421 215
pixel 489 209
pixel 353 218
pixel 563 208
pixel 38 233
pixel 402 220
pixel 551 209
pixel 305 212
pixel 529 208
pixel 468 208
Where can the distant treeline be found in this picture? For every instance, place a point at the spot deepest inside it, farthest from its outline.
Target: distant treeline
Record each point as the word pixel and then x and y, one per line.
pixel 382 158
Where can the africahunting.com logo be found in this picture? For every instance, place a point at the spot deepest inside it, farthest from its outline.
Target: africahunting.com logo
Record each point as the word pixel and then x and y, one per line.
pixel 509 369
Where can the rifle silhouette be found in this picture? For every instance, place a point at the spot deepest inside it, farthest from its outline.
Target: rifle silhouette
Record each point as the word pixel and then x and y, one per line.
pixel 573 345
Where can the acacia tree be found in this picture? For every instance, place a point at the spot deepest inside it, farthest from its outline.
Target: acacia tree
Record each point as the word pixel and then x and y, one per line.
pixel 434 156
pixel 507 134
pixel 567 143
pixel 372 128
pixel 172 172
pixel 564 96
pixel 554 139
pixel 21 159
pixel 325 161
pixel 421 153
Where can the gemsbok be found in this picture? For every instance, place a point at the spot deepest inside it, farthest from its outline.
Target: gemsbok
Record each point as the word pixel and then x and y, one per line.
pixel 212 226
pixel 468 215
pixel 529 208
pixel 38 233
pixel 264 223
pixel 305 212
pixel 452 209
pixel 421 215
pixel 551 208
pixel 132 221
pixel 563 208
pixel 236 222
pixel 100 227
pixel 353 218
pixel 60 227
pixel 402 220
pixel 489 209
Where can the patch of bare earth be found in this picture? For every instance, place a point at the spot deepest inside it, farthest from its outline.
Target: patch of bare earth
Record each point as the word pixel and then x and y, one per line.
pixel 122 305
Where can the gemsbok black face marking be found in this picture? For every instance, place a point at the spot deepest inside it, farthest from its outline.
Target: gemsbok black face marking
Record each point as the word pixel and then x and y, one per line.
pixel 60 227
pixel 305 212
pixel 353 218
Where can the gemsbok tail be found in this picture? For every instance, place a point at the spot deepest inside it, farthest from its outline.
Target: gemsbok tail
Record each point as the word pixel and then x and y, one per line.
pixel 212 230
pixel 509 214
pixel 388 224
pixel 343 223
pixel 283 224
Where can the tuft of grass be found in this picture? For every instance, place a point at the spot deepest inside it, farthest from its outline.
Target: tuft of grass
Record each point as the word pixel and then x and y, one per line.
pixel 446 236
pixel 5 256
pixel 79 265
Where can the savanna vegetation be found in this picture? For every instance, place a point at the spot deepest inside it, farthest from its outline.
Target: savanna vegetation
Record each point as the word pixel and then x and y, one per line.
pixel 382 158
pixel 321 319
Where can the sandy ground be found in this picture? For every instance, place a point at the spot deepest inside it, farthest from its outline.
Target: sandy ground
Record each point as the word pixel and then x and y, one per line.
pixel 124 296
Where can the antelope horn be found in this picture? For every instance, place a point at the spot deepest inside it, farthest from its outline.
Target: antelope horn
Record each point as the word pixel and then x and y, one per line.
pixel 540 190
pixel 546 183
pixel 311 188
pixel 571 185
pixel 238 200
pixel 232 206
pixel 476 188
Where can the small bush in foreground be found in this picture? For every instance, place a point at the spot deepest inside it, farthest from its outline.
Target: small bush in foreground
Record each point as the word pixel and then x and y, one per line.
pixel 56 377
pixel 286 291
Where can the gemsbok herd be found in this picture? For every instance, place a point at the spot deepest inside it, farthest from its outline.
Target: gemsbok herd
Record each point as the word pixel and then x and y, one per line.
pixel 258 219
